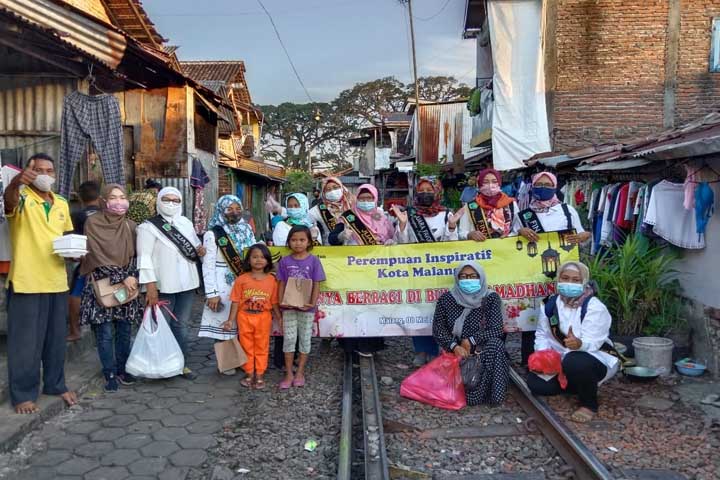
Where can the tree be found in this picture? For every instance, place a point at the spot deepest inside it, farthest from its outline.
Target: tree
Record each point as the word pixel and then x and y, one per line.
pixel 369 101
pixel 298 181
pixel 439 89
pixel 294 133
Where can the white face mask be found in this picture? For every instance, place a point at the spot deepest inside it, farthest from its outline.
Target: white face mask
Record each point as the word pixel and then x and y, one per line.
pixel 43 182
pixel 334 195
pixel 169 209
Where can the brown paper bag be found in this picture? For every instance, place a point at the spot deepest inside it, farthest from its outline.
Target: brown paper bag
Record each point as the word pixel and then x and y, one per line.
pixel 297 292
pixel 229 354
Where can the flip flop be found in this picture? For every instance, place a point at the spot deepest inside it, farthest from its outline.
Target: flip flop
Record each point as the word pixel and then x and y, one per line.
pixel 259 384
pixel 247 382
pixel 582 415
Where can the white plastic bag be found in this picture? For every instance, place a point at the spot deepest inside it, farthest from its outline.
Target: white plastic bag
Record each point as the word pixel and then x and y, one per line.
pixel 155 352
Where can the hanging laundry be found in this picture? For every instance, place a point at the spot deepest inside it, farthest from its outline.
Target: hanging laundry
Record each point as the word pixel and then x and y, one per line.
pixel 198 180
pixel 669 219
pixel 704 206
pixel 96 119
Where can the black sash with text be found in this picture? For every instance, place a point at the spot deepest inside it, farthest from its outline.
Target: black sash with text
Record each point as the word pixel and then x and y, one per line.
pixel 233 258
pixel 359 228
pixel 420 227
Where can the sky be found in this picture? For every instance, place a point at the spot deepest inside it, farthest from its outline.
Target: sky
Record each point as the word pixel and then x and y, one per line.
pixel 333 43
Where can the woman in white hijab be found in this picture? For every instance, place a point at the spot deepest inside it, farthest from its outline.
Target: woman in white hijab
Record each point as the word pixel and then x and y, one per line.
pixel 168 252
pixel 468 320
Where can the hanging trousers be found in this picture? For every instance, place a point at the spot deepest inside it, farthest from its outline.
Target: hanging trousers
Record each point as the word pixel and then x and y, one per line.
pixel 583 372
pixel 96 119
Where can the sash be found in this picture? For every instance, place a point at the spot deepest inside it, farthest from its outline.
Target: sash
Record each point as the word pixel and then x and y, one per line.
pixel 554 322
pixel 183 245
pixel 327 217
pixel 480 223
pixel 233 258
pixel 359 228
pixel 530 220
pixel 420 227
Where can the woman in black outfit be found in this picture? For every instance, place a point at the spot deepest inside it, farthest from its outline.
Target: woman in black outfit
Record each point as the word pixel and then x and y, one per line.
pixel 468 319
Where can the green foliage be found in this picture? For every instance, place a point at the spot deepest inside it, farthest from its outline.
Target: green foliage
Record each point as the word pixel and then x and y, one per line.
pixel 439 89
pixel 298 181
pixel 428 169
pixel 637 282
pixel 452 198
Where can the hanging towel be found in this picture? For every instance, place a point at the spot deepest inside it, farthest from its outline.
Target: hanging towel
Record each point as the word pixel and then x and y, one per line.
pixel 199 177
pixel 669 219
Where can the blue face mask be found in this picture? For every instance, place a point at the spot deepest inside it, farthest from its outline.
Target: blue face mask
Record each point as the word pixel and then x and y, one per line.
pixel 295 213
pixel 543 193
pixel 366 206
pixel 469 285
pixel 570 290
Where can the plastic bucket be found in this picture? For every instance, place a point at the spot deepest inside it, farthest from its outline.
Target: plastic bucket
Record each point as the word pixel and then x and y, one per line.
pixel 654 352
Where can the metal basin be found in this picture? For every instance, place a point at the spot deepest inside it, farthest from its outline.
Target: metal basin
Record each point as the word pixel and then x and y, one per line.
pixel 640 374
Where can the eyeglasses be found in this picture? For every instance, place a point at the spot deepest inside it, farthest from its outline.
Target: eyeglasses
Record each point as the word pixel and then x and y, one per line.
pixel 176 201
pixel 469 276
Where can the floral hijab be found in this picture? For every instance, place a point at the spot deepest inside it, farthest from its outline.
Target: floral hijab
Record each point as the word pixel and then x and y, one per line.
pixel 240 233
pixel 435 208
pixel 344 204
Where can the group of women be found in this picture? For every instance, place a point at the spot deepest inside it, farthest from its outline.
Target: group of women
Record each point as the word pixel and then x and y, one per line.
pixel 468 318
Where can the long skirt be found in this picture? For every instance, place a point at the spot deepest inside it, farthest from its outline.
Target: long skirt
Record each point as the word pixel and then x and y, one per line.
pixel 494 378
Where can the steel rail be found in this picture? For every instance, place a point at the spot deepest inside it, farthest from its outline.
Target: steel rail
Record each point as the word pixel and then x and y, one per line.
pixel 376 462
pixel 567 444
pixel 345 453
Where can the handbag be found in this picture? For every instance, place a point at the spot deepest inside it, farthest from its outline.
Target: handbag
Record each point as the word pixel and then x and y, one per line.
pixel 108 295
pixel 471 371
pixel 229 354
pixel 298 292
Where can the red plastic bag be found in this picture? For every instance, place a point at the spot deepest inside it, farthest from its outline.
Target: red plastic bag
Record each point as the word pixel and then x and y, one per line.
pixel 548 362
pixel 438 383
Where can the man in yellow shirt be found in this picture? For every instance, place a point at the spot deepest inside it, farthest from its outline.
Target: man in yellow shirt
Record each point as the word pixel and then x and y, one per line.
pixel 37 286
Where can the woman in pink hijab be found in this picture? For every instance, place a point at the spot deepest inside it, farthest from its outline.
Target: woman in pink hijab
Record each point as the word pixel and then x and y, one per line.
pixel 365 223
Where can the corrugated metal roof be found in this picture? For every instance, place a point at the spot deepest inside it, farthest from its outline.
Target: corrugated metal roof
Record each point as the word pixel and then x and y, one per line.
pixel 700 137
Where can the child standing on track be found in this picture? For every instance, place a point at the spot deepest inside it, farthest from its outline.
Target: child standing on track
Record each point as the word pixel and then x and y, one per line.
pixel 297 321
pixel 254 298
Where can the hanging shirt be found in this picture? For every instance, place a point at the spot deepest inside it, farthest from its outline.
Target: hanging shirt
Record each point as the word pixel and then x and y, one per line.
pixel 670 220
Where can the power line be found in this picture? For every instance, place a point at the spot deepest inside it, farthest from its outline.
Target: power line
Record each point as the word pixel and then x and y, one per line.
pixel 425 19
pixel 287 54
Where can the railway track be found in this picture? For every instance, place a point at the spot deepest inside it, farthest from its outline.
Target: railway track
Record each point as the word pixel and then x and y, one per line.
pixel 582 463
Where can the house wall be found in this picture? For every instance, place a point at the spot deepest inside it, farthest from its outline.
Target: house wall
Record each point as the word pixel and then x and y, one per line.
pixel 207 159
pixel 610 69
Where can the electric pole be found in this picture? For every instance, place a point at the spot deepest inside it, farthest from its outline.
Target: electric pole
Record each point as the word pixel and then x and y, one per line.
pixel 415 75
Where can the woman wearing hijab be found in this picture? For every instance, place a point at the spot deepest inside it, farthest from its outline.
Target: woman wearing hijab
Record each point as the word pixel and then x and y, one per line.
pixel 334 200
pixel 547 213
pixel 492 213
pixel 169 253
pixel 425 222
pixel 227 236
pixel 468 320
pixel 297 207
pixel 365 223
pixel 111 254
pixel 576 324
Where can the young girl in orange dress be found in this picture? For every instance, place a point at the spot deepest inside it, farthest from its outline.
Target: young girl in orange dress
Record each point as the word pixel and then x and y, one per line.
pixel 254 298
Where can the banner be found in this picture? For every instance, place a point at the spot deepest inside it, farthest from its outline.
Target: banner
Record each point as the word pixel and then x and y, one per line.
pixel 391 290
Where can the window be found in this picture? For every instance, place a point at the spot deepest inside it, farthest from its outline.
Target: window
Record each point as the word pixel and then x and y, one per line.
pixel 715 46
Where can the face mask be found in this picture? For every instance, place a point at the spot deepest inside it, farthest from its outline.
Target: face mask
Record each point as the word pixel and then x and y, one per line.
pixel 543 193
pixel 295 213
pixel 43 182
pixel 169 209
pixel 118 207
pixel 469 285
pixel 570 290
pixel 333 195
pixel 233 218
pixel 366 206
pixel 490 190
pixel 425 199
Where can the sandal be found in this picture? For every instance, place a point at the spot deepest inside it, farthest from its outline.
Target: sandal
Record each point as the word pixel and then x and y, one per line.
pixel 247 382
pixel 582 415
pixel 259 384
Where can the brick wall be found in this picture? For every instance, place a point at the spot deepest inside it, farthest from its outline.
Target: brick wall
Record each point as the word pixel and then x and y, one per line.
pixel 698 91
pixel 609 82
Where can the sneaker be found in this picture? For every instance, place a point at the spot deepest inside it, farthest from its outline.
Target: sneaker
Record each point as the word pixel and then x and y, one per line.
pixel 126 379
pixel 420 359
pixel 189 374
pixel 112 384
